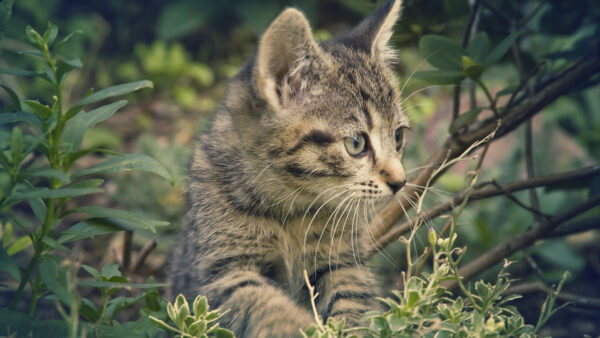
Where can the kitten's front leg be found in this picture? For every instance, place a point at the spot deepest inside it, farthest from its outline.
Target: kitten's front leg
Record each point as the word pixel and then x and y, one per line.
pixel 256 307
pixel 346 292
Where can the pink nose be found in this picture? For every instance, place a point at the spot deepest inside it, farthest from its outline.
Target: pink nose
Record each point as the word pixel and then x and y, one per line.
pixel 393 174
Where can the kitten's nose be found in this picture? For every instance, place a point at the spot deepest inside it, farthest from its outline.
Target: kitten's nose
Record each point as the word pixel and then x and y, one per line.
pixel 393 174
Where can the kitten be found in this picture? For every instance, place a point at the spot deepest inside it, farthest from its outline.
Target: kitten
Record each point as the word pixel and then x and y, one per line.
pixel 308 139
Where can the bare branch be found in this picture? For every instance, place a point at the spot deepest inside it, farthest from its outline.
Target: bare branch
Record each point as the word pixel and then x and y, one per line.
pixel 127 249
pixel 143 255
pixel 576 227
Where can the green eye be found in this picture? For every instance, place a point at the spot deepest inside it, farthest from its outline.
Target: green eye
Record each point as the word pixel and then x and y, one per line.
pixel 399 137
pixel 356 145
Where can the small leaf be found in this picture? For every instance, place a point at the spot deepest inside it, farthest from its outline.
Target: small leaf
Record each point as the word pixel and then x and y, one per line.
pixel 13 96
pixel 39 109
pixel 22 116
pixel 48 173
pixel 110 270
pixel 16 146
pixel 33 36
pixel 478 47
pixel 8 265
pixel 82 121
pixel 50 33
pixel 39 209
pixel 93 272
pixel 128 219
pixel 52 193
pixel 113 91
pixel 68 37
pixel 200 305
pixel 18 72
pixel 55 245
pixel 5 14
pixel 440 77
pixel 19 245
pixel 471 69
pixel 498 52
pixel 506 91
pixel 441 52
pixel 7 233
pixel 465 119
pixel 103 284
pixel 55 279
pixel 88 229
pixel 127 163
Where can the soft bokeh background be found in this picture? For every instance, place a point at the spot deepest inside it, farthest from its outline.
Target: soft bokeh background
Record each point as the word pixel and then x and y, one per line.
pixel 190 49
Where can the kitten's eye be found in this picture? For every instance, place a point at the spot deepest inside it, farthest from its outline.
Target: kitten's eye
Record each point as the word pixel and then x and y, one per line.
pixel 356 145
pixel 399 137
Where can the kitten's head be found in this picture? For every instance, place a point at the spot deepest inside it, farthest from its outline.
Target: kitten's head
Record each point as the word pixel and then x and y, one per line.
pixel 330 122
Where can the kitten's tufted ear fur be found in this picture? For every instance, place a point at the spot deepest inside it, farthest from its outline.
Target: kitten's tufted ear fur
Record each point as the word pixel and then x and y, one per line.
pixel 286 50
pixel 374 32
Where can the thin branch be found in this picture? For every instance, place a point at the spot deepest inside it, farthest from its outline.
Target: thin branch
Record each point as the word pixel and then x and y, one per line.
pixel 127 249
pixel 487 190
pixel 143 255
pixel 581 301
pixel 575 227
pixel 535 211
pixel 535 232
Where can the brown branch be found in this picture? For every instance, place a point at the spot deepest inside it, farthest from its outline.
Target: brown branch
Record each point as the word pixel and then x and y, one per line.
pixel 535 232
pixel 581 301
pixel 126 260
pixel 486 190
pixel 511 119
pixel 143 254
pixel 576 227
pixel 538 214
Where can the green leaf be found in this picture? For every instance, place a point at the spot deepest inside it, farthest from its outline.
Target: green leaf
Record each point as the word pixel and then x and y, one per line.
pixel 19 245
pixel 478 47
pixel 48 173
pixel 68 37
pixel 113 91
pixel 127 163
pixel 507 91
pixel 7 233
pixel 55 279
pixel 33 36
pixel 128 219
pixel 5 14
pixel 18 72
pixel 441 52
pixel 55 245
pixel 502 48
pixel 8 265
pixel 440 77
pixel 82 121
pixel 13 96
pixel 39 209
pixel 91 183
pixel 50 33
pixel 88 229
pixel 51 193
pixel 103 284
pixel 65 66
pixel 34 52
pixel 110 270
pixel 93 272
pixel 22 325
pixel 465 119
pixel 39 109
pixel 24 117
pixel 16 146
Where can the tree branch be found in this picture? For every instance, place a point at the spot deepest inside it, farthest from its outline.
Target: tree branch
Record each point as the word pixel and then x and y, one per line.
pixel 581 301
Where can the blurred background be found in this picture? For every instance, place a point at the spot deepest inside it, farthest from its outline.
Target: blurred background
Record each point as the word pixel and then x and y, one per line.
pixel 191 48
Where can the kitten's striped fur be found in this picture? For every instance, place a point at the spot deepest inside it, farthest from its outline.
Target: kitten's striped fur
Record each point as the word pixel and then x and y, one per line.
pixel 273 190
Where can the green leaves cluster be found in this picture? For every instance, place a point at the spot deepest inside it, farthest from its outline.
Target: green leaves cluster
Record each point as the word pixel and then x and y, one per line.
pixel 40 149
pixel 197 322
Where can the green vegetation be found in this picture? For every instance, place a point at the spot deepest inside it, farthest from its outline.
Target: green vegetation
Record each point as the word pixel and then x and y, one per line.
pixel 88 184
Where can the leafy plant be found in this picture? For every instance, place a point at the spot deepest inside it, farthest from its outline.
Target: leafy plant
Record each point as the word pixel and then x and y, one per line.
pixel 40 151
pixel 197 322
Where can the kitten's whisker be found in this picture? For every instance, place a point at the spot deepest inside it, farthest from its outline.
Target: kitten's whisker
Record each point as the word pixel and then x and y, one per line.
pixel 376 244
pixel 331 233
pixel 335 229
pixel 425 88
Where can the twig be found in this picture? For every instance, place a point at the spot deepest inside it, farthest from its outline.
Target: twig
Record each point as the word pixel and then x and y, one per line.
pixel 486 190
pixel 537 231
pixel 313 297
pixel 127 249
pixel 143 254
pixel 582 301
pixel 538 214
pixel 495 10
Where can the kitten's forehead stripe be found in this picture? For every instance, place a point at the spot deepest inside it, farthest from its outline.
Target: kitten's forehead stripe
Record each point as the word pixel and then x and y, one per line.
pixel 317 137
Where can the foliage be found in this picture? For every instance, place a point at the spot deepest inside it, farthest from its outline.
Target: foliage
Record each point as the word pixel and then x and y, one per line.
pixel 199 322
pixel 40 158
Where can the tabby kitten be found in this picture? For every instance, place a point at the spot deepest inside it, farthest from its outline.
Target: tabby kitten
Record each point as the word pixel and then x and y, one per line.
pixel 308 138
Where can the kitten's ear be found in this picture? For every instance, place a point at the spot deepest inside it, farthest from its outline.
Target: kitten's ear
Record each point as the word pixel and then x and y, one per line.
pixel 285 49
pixel 374 32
